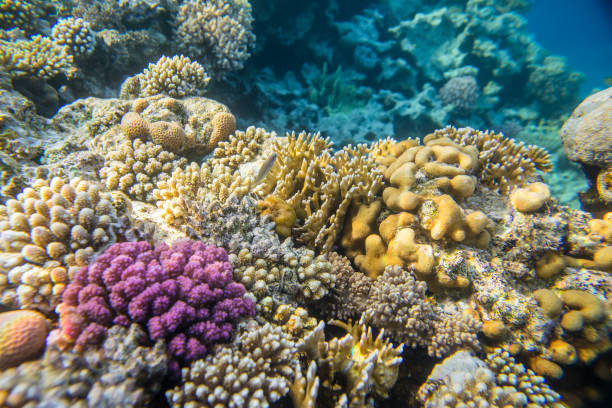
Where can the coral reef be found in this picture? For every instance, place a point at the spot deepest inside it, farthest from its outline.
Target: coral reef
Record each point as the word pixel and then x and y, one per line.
pixel 76 34
pixel 175 76
pixel 217 33
pixel 38 56
pixel 184 294
pixel 125 371
pixel 48 231
pixel 255 371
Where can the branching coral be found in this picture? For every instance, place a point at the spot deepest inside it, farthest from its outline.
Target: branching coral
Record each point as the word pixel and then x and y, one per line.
pixel 125 372
pixel 320 186
pixel 177 76
pixel 369 366
pixel 135 167
pixel 256 371
pixel 503 162
pixel 21 14
pixel 39 56
pixel 76 34
pixel 216 32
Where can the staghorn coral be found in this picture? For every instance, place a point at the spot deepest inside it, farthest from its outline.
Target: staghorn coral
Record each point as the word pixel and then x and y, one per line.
pixel 48 230
pixel 216 33
pixel 503 163
pixel 320 186
pixel 22 336
pixel 176 76
pixel 76 34
pixel 125 372
pixel 135 167
pixel 369 366
pixel 256 370
pixel 38 56
pixel 184 294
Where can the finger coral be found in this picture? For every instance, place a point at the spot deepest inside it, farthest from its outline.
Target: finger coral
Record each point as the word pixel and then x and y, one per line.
pixel 256 371
pixel 39 56
pixel 21 14
pixel 176 76
pixel 184 294
pixel 217 33
pixel 76 34
pixel 503 162
pixel 48 230
pixel 125 371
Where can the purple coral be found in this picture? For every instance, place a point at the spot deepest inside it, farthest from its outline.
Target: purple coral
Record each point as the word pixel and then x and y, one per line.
pixel 184 294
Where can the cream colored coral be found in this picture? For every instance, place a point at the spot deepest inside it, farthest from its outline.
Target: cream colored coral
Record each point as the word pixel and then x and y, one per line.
pixel 224 124
pixel 319 185
pixel 47 229
pixel 76 34
pixel 240 147
pixel 135 167
pixel 530 198
pixel 39 56
pixel 176 76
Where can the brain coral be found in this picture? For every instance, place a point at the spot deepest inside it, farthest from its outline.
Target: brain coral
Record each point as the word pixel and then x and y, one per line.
pixel 216 32
pixel 22 336
pixel 184 294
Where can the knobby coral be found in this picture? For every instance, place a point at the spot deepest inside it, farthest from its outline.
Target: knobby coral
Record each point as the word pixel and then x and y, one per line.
pixel 184 294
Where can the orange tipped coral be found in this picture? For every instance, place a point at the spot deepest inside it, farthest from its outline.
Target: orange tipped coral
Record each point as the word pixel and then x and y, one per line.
pixel 22 336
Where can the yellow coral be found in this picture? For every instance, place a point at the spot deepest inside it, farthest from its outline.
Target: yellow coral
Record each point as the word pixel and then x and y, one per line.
pixel 281 213
pixel 530 198
pixel 224 124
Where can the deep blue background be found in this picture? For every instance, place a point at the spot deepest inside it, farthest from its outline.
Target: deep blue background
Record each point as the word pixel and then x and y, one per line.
pixel 580 30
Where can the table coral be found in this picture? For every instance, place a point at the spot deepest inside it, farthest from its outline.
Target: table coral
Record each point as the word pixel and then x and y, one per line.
pixel 22 336
pixel 184 294
pixel 124 372
pixel 48 230
pixel 255 371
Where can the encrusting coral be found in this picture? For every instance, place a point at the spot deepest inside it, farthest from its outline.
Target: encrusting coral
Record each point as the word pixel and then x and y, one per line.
pixel 48 230
pixel 126 371
pixel 256 370
pixel 184 294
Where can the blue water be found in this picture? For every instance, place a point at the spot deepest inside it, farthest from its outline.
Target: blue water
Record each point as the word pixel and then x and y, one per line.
pixel 580 30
